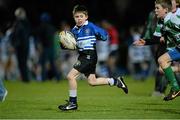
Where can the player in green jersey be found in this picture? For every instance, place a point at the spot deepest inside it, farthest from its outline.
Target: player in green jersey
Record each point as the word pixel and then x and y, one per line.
pixel 170 30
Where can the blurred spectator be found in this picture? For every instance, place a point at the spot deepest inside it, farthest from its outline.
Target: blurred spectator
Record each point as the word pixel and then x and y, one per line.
pixel 3 91
pixel 103 54
pixel 139 56
pixel 103 50
pixel 46 36
pixel 113 35
pixel 20 41
pixel 33 60
pixel 8 69
pixel 109 52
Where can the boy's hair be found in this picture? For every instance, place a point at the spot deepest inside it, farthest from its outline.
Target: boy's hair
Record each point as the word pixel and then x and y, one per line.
pixel 178 3
pixel 165 4
pixel 80 8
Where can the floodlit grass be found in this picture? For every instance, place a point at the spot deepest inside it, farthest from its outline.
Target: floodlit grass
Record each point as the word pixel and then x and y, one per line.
pixel 40 101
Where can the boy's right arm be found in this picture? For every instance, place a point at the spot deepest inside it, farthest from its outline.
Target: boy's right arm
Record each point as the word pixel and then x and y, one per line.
pixel 154 40
pixel 142 42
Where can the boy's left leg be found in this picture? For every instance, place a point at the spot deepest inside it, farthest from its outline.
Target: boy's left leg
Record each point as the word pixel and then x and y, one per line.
pixel 165 63
pixel 119 82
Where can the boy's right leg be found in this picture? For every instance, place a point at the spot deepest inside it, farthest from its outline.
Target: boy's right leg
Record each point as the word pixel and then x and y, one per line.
pixel 72 102
pixel 68 106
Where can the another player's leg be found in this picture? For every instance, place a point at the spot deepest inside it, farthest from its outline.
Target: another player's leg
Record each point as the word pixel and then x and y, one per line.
pixel 159 84
pixel 165 63
pixel 172 95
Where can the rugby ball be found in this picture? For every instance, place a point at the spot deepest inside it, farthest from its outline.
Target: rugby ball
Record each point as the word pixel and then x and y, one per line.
pixel 67 39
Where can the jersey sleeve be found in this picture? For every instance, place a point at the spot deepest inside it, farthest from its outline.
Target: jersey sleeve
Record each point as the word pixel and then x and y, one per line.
pixel 150 26
pixel 154 40
pixel 100 33
pixel 158 29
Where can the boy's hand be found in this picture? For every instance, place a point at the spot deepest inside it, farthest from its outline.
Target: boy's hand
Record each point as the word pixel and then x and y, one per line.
pixel 162 40
pixel 140 42
pixel 62 46
pixel 100 37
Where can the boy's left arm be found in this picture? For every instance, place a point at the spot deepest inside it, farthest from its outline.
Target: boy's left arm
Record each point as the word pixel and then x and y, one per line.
pixel 100 33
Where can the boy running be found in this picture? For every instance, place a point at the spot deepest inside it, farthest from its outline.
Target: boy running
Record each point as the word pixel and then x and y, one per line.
pixel 86 34
pixel 170 30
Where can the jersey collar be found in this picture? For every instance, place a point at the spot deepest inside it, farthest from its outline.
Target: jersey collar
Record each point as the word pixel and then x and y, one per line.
pixel 85 23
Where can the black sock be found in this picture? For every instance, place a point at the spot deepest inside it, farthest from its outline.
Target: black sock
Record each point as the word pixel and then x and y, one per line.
pixel 73 99
pixel 115 81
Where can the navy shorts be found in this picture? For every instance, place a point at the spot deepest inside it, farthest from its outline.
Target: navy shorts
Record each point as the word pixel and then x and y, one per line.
pixel 86 63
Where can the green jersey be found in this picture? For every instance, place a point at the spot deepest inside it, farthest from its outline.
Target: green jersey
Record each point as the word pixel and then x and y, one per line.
pixel 150 26
pixel 158 29
pixel 171 29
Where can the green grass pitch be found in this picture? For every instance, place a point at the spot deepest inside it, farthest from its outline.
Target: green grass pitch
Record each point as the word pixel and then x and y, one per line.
pixel 40 101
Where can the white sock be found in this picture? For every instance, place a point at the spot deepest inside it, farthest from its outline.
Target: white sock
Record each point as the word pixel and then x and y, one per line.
pixel 73 93
pixel 111 81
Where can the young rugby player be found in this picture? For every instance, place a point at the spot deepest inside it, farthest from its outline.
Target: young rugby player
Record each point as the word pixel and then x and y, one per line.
pixel 86 34
pixel 170 30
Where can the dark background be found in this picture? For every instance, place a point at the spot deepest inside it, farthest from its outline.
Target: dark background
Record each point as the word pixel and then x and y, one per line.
pixel 123 13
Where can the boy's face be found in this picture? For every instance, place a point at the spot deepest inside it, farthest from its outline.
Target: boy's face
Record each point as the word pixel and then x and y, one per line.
pixel 80 18
pixel 160 11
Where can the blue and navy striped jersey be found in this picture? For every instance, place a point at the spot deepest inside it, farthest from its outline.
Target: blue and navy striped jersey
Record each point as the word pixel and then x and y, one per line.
pixel 87 34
